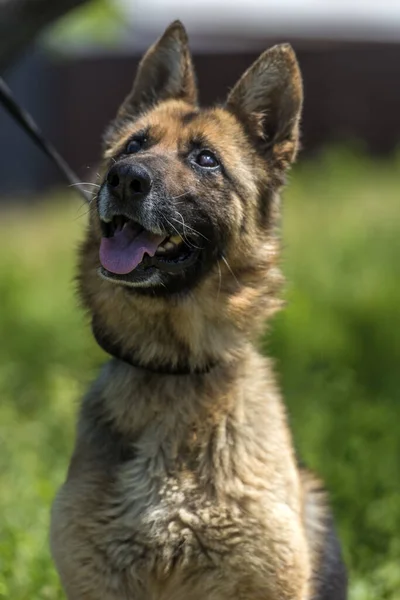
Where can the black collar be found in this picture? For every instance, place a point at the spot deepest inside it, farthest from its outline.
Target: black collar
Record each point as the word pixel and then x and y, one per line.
pixel 114 350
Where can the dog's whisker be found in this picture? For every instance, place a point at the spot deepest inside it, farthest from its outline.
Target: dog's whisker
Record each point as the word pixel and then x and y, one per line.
pixel 188 227
pixel 86 205
pixel 230 269
pixel 185 226
pixel 180 196
pixel 173 226
pixel 220 280
pixel 185 239
pixel 80 214
pixel 183 235
pixel 79 183
pixel 190 244
pixel 89 192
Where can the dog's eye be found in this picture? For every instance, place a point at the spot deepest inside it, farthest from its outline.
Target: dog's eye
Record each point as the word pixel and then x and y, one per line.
pixel 134 146
pixel 207 160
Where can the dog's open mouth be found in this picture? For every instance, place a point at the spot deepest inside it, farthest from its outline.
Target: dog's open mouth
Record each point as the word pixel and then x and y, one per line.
pixel 125 245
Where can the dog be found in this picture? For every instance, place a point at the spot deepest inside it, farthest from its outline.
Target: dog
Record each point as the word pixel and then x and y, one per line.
pixel 184 484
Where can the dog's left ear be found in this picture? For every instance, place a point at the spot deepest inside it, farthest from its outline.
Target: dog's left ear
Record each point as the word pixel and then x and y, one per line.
pixel 268 100
pixel 165 72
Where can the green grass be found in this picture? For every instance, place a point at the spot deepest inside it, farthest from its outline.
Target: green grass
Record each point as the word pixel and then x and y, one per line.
pixel 337 350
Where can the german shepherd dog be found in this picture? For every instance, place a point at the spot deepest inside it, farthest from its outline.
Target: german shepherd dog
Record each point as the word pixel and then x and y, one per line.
pixel 184 484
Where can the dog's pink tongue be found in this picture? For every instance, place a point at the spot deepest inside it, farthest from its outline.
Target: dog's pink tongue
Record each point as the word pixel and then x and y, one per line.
pixel 122 252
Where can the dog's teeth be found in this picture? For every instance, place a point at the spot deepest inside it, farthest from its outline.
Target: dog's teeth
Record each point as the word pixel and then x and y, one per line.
pixel 168 246
pixel 175 239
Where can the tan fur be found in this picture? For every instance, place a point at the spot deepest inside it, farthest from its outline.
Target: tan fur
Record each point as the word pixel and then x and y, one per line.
pixel 187 487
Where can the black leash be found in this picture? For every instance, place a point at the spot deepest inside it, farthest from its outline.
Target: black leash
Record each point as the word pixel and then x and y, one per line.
pixel 29 126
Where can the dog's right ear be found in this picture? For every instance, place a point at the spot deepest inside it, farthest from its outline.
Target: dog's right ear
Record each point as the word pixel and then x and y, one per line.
pixel 268 100
pixel 165 72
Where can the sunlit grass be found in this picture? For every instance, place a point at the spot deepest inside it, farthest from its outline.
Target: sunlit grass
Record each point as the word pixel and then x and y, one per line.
pixel 336 345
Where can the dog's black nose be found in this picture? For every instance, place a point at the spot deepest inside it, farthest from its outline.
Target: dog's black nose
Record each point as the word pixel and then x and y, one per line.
pixel 129 181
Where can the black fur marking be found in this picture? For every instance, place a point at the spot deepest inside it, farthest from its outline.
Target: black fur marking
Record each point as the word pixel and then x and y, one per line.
pixel 331 578
pixel 187 118
pixel 114 447
pixel 266 197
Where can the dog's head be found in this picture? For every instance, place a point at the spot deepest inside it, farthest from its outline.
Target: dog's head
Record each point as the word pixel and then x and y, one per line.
pixel 188 193
pixel 183 187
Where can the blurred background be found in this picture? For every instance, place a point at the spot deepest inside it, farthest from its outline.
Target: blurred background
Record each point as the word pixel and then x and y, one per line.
pixel 336 345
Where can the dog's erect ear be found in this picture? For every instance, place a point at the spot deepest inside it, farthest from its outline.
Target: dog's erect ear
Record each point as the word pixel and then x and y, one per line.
pixel 268 99
pixel 165 72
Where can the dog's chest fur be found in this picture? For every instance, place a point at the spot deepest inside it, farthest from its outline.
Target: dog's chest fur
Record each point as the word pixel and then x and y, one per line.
pixel 156 527
pixel 158 521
